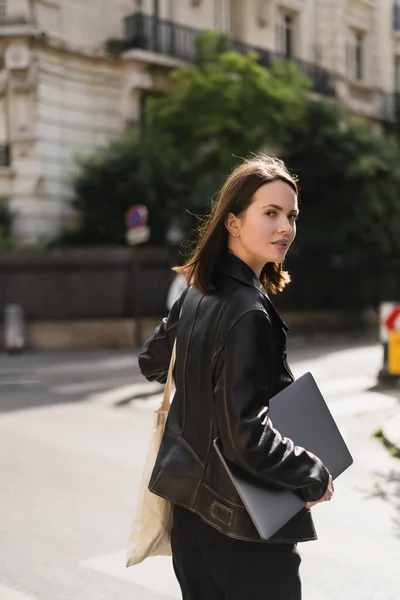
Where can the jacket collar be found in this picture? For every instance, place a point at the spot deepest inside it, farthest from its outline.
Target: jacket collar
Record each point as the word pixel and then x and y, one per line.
pixel 236 268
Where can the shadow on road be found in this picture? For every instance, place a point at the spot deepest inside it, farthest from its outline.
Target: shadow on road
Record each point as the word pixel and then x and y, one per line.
pixel 142 396
pixel 389 389
pixel 37 379
pixel 386 487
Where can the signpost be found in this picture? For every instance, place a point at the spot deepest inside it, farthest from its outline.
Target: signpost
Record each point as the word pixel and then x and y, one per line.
pixel 390 337
pixel 136 222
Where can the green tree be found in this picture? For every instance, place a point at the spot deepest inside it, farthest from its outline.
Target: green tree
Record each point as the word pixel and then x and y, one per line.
pixel 107 183
pixel 219 109
pixel 350 183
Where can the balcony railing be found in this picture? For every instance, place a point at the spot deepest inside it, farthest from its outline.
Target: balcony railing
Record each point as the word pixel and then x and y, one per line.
pixel 147 32
pixel 396 17
pixel 5 156
pixel 17 20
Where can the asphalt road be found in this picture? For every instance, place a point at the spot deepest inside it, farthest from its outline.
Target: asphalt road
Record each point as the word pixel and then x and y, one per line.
pixel 73 435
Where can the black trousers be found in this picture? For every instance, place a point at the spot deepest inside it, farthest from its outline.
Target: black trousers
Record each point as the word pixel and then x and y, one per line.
pixel 212 566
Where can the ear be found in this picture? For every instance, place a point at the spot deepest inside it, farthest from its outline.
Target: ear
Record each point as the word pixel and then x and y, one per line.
pixel 232 223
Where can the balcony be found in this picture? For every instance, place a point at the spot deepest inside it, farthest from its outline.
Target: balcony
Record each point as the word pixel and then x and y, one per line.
pixel 16 16
pixel 396 17
pixel 12 26
pixel 13 20
pixel 5 157
pixel 146 32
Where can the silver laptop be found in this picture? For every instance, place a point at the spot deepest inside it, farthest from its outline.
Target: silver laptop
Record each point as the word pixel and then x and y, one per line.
pixel 300 413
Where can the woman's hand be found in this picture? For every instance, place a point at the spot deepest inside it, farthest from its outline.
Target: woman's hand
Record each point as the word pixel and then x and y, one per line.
pixel 326 497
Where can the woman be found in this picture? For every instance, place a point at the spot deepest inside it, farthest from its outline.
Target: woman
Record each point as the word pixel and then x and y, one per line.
pixel 230 361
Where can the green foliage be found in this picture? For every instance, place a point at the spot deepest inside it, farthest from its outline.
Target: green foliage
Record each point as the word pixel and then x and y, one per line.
pixel 393 450
pixel 6 220
pixel 226 106
pixel 210 46
pixel 350 182
pixel 107 183
pixel 110 181
pixel 223 107
pixel 378 433
pixel 220 109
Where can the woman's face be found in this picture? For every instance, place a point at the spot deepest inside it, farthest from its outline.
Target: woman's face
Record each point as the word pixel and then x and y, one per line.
pixel 265 231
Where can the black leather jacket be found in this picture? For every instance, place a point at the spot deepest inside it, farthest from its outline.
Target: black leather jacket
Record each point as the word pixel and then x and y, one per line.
pixel 230 360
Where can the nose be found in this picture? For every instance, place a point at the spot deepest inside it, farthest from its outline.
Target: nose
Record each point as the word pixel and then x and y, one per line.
pixel 286 225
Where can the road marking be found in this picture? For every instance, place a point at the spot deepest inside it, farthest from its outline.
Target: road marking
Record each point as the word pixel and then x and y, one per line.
pixel 155 573
pixel 17 381
pixel 7 593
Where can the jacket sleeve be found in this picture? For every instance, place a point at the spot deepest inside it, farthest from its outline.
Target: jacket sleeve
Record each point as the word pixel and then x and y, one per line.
pixel 242 392
pixel 155 355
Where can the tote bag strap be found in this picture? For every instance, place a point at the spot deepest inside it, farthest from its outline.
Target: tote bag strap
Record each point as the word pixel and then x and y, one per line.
pixel 166 403
pixel 192 308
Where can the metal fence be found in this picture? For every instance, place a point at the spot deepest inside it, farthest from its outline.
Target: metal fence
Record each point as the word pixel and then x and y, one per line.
pixel 122 282
pixel 4 156
pixel 148 32
pixel 86 283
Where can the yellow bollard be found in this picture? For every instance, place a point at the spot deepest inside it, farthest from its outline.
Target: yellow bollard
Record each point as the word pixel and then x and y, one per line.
pixel 394 352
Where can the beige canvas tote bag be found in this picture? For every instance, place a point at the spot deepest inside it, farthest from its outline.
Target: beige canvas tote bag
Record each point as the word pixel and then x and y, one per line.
pixel 150 533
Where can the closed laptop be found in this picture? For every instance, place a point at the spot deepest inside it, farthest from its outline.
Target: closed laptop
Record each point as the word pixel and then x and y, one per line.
pixel 300 413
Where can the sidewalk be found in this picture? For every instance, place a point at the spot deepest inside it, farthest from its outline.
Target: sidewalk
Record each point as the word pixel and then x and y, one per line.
pixel 29 362
pixel 391 428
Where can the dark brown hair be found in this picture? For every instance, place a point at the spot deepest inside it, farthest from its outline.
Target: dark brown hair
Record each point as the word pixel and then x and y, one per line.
pixel 235 197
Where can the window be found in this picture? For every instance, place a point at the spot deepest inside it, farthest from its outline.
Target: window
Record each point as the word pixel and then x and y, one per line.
pixel 357 55
pixel 2 9
pixel 4 142
pixel 397 74
pixel 396 16
pixel 286 34
pixel 234 18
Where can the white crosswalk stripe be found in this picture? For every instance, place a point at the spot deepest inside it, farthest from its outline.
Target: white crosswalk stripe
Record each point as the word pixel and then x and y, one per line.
pixel 16 380
pixel 7 593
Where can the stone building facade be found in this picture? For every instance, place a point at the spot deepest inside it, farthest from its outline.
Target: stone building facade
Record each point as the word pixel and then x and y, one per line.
pixel 75 73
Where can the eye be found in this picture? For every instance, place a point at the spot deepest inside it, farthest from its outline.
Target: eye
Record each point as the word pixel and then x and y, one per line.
pixel 271 213
pixel 294 217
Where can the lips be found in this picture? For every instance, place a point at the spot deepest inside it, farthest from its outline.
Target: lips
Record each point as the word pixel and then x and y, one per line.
pixel 281 244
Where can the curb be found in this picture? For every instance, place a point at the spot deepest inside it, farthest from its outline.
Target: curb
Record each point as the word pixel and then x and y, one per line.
pixel 335 338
